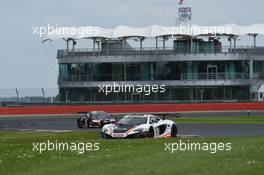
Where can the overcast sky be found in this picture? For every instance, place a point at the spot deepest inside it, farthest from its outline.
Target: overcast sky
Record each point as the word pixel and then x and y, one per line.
pixel 27 63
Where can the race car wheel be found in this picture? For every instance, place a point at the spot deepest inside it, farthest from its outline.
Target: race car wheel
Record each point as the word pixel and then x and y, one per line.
pixel 105 136
pixel 151 132
pixel 79 123
pixel 102 123
pixel 174 131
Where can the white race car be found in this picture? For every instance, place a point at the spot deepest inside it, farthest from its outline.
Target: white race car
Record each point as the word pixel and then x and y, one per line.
pixel 139 126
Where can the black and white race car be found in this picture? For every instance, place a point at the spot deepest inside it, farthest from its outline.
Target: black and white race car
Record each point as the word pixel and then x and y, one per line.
pixel 139 126
pixel 95 119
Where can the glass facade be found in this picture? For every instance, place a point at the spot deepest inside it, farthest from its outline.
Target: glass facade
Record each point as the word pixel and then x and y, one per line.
pixel 157 71
pixel 258 70
pixel 172 94
pixel 206 63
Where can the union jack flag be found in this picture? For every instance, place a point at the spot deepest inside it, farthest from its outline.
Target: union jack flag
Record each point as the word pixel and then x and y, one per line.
pixel 180 2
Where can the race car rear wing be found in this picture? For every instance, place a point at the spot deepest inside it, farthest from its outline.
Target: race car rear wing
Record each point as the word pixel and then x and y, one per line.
pixel 161 115
pixel 82 112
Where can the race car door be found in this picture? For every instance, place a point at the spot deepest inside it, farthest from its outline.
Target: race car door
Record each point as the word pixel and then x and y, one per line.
pixel 156 124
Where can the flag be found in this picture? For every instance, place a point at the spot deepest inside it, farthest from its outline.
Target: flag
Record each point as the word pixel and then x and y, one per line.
pixel 180 2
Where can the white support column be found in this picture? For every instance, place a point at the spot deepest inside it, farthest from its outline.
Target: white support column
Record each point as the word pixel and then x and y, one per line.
pixel 107 47
pixel 235 44
pixel 67 43
pixel 123 43
pixel 157 44
pixel 191 44
pixel 141 43
pixel 98 46
pixel 251 69
pixel 255 40
pixel 230 42
pixel 94 45
pixel 254 35
pixel 73 44
pixel 164 43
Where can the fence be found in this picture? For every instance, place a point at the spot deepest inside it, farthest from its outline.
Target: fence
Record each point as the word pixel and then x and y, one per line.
pixel 29 95
pixel 52 96
pixel 157 50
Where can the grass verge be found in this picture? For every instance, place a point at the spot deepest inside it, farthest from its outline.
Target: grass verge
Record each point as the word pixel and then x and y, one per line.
pixel 145 156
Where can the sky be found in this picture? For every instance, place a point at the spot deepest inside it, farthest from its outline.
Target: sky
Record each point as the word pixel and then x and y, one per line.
pixel 26 62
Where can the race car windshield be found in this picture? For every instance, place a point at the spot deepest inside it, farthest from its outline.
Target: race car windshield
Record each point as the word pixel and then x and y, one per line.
pixel 103 117
pixel 133 120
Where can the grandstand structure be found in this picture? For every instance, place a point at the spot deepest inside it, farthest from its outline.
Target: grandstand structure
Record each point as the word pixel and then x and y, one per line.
pixel 192 61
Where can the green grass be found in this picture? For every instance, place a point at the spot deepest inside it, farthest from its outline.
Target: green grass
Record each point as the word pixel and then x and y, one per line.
pixel 145 156
pixel 222 120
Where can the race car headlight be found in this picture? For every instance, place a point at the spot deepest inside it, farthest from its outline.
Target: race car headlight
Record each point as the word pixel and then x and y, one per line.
pixel 140 130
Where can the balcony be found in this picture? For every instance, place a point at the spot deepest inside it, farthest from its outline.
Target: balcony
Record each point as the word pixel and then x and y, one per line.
pixel 156 51
pixel 214 76
pixel 157 77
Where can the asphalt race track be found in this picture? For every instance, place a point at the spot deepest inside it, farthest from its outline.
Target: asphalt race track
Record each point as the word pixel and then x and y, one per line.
pixel 68 123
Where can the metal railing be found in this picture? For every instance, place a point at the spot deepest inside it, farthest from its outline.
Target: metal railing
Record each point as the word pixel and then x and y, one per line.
pixel 29 95
pixel 156 51
pixel 55 96
pixel 214 76
pixel 258 76
pixel 152 77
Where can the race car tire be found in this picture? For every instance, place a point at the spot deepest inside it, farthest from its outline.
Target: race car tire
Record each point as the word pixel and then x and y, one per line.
pixel 151 132
pixel 105 136
pixel 102 123
pixel 79 123
pixel 174 131
pixel 87 125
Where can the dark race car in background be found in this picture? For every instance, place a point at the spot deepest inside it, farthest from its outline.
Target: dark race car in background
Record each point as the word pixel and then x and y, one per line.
pixel 95 119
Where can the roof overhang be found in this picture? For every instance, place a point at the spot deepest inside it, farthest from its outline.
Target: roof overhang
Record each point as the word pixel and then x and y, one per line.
pixel 121 32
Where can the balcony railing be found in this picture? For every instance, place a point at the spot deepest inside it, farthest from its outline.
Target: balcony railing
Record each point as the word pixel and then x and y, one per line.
pixel 154 77
pixel 153 51
pixel 258 76
pixel 214 76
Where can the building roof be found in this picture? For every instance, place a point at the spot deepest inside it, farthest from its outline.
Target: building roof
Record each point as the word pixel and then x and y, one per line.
pixel 154 31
